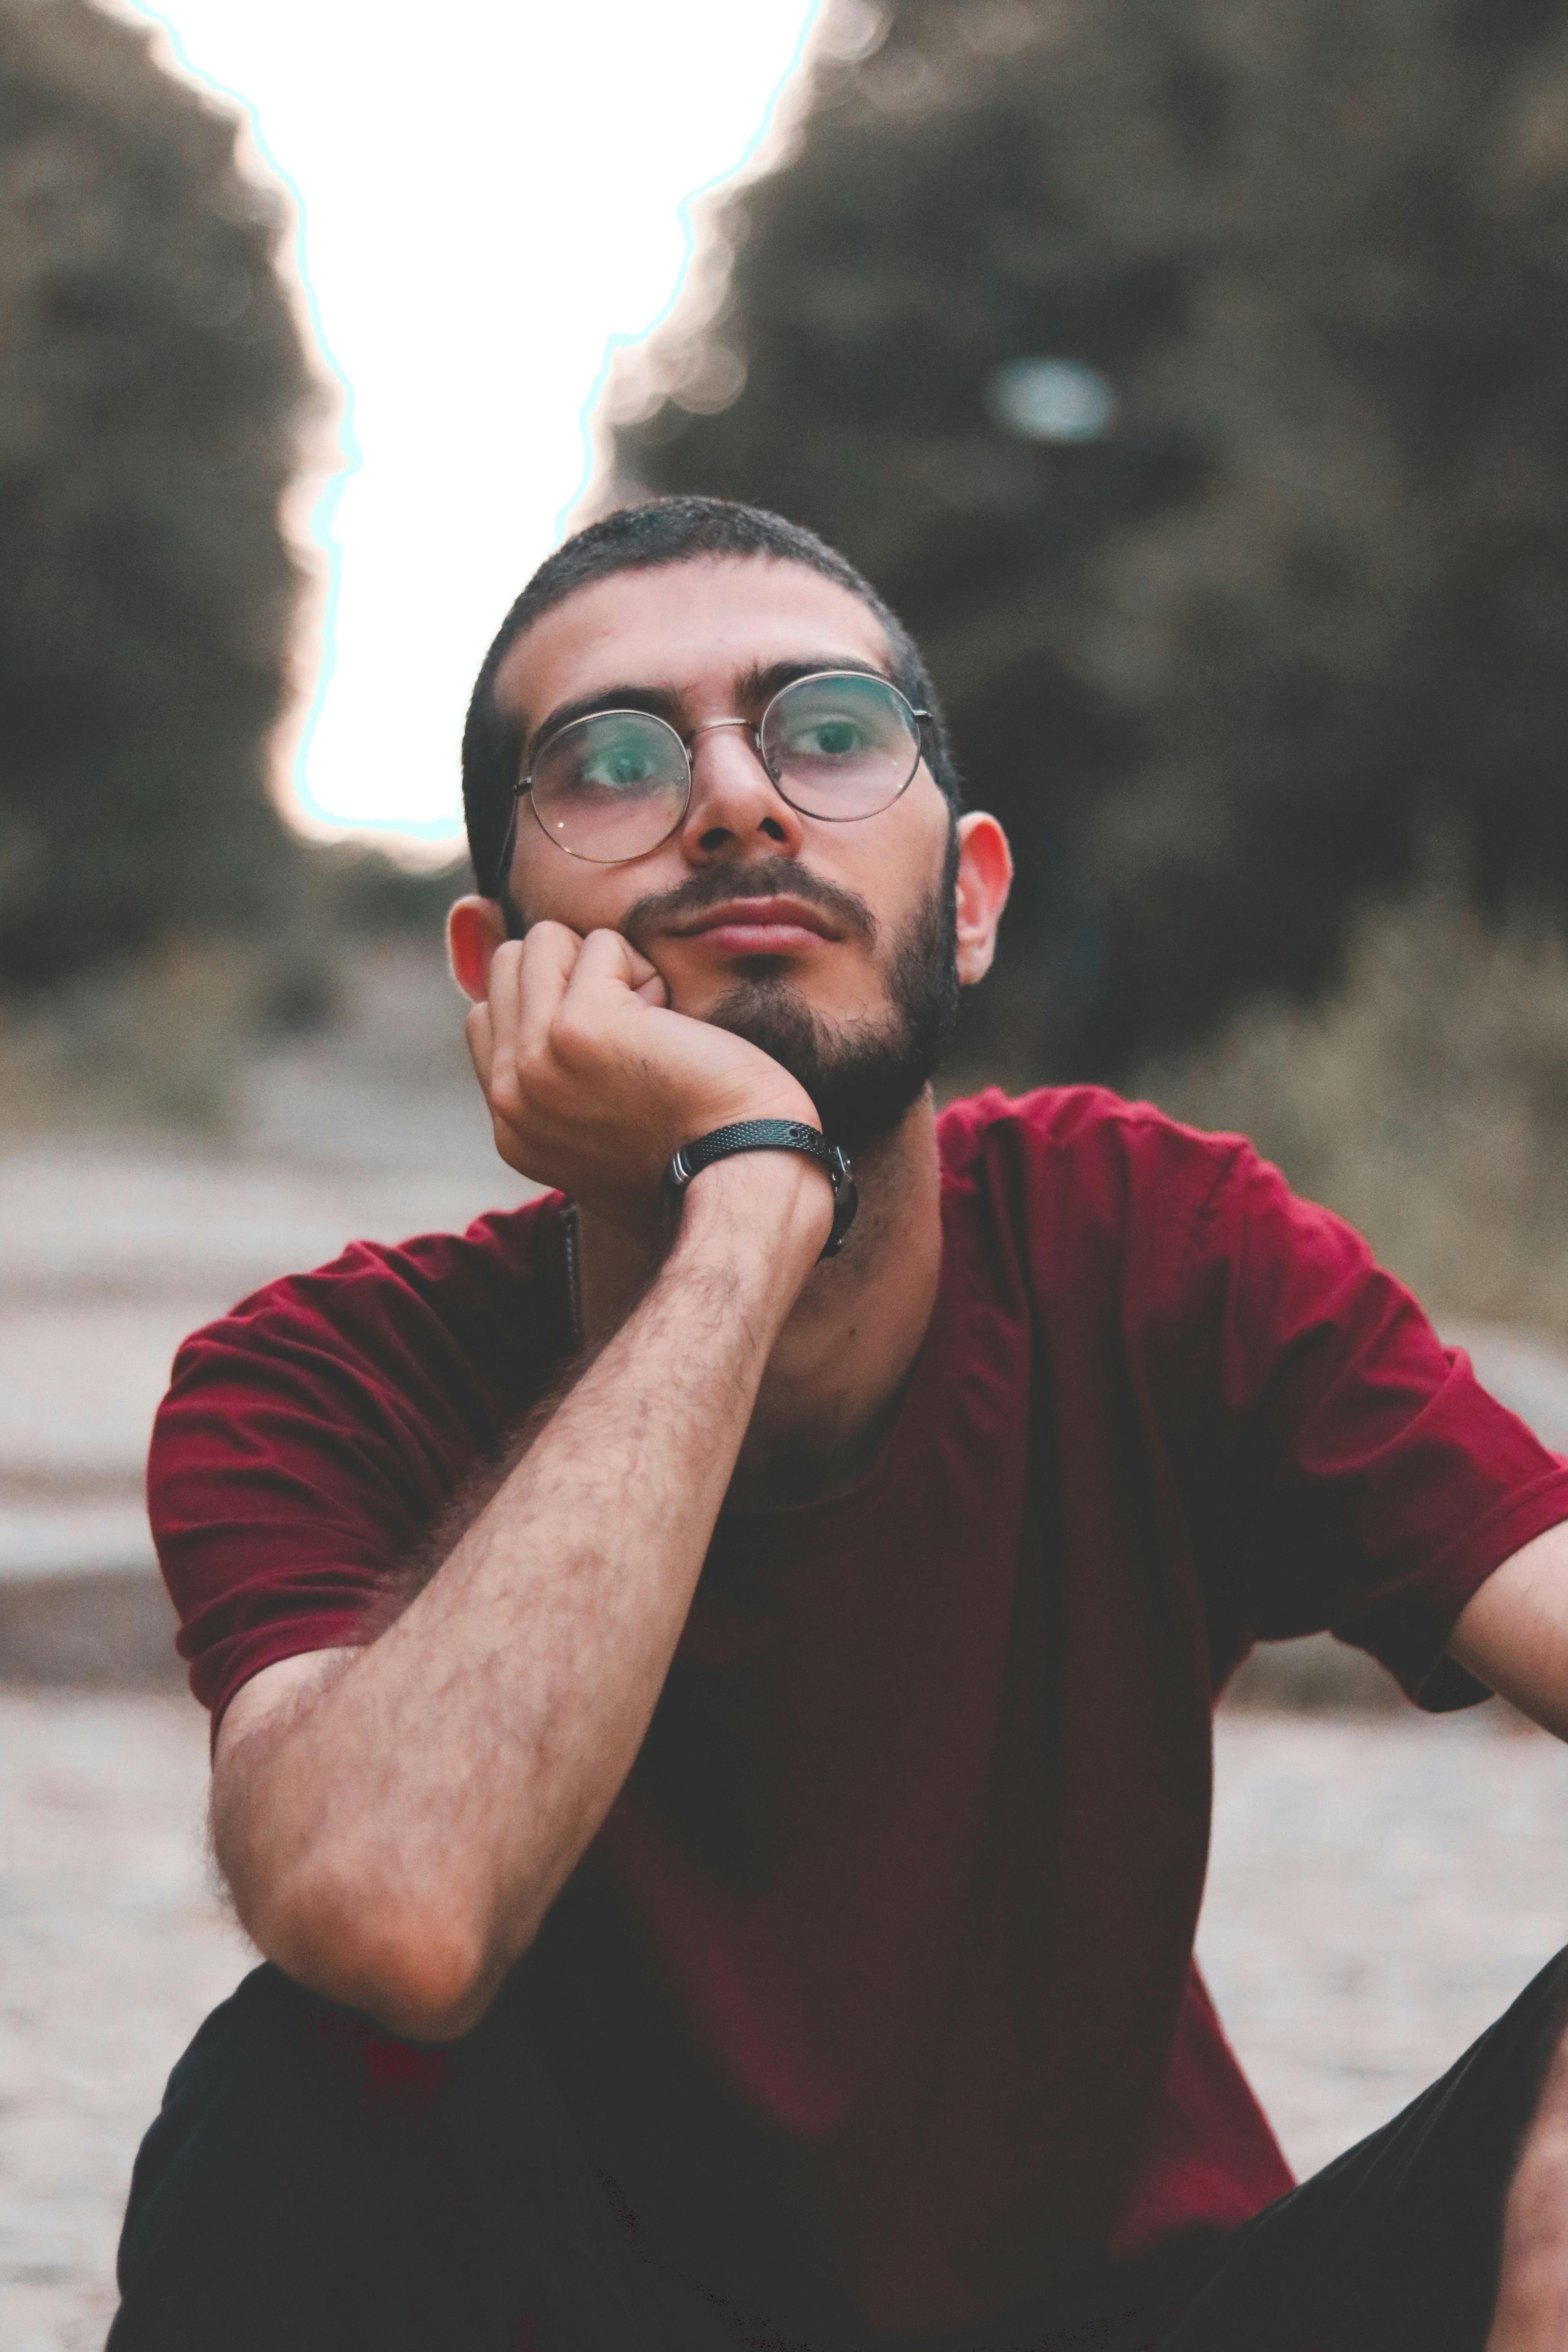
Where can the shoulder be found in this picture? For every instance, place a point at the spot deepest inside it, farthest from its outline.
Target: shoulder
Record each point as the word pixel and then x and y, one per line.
pixel 310 1436
pixel 462 1320
pixel 1084 1146
pixel 1095 1193
pixel 1080 1119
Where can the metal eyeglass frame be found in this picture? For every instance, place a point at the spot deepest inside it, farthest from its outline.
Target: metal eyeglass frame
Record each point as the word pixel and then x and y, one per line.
pixel 522 789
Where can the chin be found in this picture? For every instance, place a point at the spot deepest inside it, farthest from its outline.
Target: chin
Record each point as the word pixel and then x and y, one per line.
pixel 756 985
pixel 863 1065
pixel 768 993
pixel 760 969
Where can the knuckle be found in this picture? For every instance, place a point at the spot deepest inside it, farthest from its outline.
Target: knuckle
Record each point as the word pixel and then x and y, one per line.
pixel 572 1037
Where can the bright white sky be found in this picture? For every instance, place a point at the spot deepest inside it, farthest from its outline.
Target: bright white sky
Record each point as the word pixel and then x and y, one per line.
pixel 488 197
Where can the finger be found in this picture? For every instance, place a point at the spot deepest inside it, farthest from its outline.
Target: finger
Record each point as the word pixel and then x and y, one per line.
pixel 545 963
pixel 642 971
pixel 479 1032
pixel 653 991
pixel 547 943
pixel 502 1011
pixel 609 961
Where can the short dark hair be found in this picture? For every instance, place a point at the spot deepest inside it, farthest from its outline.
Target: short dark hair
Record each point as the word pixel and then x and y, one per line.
pixel 645 538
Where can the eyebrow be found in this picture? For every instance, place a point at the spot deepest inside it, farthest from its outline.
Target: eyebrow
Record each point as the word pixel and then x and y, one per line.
pixel 753 687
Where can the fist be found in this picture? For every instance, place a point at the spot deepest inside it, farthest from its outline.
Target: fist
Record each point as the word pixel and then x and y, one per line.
pixel 593 1081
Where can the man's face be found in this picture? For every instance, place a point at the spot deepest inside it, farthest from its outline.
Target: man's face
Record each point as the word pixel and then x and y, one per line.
pixel 829 945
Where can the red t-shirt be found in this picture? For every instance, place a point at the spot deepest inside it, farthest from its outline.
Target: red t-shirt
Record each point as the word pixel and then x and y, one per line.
pixel 880 1972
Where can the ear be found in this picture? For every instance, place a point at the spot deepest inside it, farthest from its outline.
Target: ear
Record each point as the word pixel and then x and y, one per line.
pixel 475 928
pixel 984 878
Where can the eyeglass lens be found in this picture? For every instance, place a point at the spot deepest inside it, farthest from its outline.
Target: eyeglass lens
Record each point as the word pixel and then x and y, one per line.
pixel 841 746
pixel 611 786
pixel 614 785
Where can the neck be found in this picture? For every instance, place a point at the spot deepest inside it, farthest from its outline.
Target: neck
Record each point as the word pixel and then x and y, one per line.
pixel 837 1373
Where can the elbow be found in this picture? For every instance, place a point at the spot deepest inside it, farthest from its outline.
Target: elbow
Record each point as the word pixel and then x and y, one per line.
pixel 423 1970
pixel 423 1987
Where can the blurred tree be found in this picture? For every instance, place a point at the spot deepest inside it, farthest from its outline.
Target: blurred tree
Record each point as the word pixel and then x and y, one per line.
pixel 1258 573
pixel 152 390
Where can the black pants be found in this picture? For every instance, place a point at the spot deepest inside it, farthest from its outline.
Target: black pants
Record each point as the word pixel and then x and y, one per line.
pixel 310 2186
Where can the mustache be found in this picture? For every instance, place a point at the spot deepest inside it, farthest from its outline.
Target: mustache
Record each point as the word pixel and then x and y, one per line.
pixel 721 885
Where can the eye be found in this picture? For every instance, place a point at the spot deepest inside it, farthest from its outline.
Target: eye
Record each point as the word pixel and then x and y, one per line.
pixel 840 725
pixel 622 754
pixel 827 738
pixel 615 766
pixel 830 736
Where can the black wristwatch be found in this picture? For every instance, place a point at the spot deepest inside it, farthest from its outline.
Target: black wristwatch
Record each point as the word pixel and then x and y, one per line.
pixel 771 1135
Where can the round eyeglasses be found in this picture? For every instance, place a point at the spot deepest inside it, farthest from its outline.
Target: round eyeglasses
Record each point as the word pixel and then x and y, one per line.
pixel 838 744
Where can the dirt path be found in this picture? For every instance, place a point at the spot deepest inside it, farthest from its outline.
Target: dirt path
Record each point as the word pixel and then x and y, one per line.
pixel 1380 1890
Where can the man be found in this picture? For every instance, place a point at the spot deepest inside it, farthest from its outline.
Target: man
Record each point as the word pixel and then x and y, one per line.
pixel 713 1684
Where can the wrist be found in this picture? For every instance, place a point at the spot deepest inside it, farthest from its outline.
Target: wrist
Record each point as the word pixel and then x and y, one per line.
pixel 777 1206
pixel 739 1137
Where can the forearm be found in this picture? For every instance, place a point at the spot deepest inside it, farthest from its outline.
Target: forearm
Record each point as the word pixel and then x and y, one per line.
pixel 1513 1633
pixel 396 1843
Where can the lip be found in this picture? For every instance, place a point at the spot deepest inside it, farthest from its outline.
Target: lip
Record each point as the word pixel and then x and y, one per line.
pixel 759 927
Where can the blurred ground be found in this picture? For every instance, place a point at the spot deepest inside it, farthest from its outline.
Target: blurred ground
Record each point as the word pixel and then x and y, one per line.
pixel 115 1245
pixel 114 1948
pixel 1381 1889
pixel 1382 1885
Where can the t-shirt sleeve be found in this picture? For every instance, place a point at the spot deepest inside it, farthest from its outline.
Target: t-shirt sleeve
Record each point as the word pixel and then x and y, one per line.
pixel 1352 1472
pixel 309 1440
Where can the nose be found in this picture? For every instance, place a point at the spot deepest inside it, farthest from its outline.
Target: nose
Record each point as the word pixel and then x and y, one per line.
pixel 734 805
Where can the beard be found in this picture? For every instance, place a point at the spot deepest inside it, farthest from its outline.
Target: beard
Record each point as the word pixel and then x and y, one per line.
pixel 863 1077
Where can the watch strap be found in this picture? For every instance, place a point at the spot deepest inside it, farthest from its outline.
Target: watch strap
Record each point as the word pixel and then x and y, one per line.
pixel 771 1135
